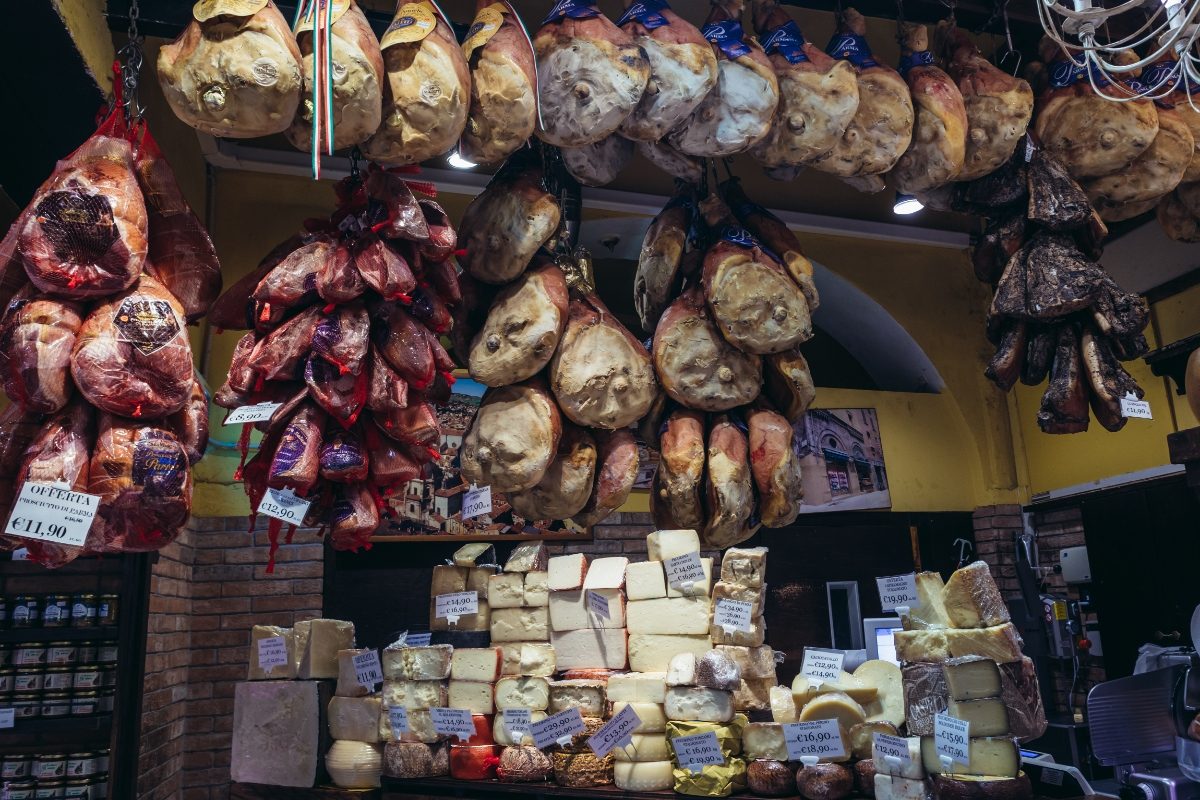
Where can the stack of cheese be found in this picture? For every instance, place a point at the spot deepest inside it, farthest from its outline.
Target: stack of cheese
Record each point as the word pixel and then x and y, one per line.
pixel 644 765
pixel 355 761
pixel 962 656
pixel 467 630
pixel 519 598
pixel 475 687
pixel 743 578
pixel 415 678
pixel 699 699
pixel 587 633
pixel 665 620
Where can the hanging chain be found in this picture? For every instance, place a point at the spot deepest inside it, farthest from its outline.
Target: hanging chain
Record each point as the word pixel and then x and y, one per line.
pixel 131 66
pixel 900 36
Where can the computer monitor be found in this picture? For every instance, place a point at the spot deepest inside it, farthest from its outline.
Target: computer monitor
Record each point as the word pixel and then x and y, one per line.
pixel 878 633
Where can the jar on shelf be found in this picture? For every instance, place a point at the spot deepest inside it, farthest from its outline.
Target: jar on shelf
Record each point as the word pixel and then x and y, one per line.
pixel 87 652
pixel 56 611
pixel 58 679
pixel 84 607
pixel 85 704
pixel 28 680
pixel 81 765
pixel 60 654
pixel 21 790
pixel 109 606
pixel 106 652
pixel 16 766
pixel 56 705
pixel 78 789
pixel 108 700
pixel 25 611
pixel 29 654
pixel 50 790
pixel 50 767
pixel 86 677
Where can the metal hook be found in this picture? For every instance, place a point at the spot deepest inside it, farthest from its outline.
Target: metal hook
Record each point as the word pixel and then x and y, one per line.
pixel 900 38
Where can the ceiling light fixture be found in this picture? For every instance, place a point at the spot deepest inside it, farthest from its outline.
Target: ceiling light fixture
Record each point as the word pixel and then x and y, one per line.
pixel 458 162
pixel 906 204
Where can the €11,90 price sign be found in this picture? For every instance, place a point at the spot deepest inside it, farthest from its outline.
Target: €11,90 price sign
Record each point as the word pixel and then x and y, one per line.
pixel 52 513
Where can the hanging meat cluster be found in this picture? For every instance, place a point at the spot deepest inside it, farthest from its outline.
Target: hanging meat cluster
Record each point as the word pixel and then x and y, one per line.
pixel 1056 313
pixel 99 276
pixel 343 323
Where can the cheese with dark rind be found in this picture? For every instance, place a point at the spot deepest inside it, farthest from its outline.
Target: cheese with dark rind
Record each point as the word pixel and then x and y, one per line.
pixel 525 764
pixel 1001 643
pixel 415 760
pixel 825 781
pixel 582 770
pixel 864 777
pixel 472 763
pixel 925 696
pixel 862 737
pixel 753 694
pixel 981 787
pixel 1021 696
pixel 767 778
pixel 527 558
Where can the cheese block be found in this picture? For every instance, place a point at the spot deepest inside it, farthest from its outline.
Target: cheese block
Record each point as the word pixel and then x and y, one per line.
pixel 864 777
pixel 756 596
pixel 508 738
pixel 745 566
pixel 862 737
pixel 716 670
pixel 1001 643
pixel 891 787
pixel 571 610
pixel 1021 696
pixel 696 704
pixel 698 588
pixel 588 674
pixel 355 718
pixel 885 678
pixel 472 762
pixel 751 638
pixel 582 770
pixel 480 621
pixel 415 694
pixel 644 776
pixel 972 678
pixel 665 545
pixel 430 663
pixel 477 697
pixel 669 615
pixel 606 573
pixel 764 740
pixel 596 647
pixel 804 691
pixel 354 765
pixel 651 652
pixel 644 747
pixel 753 694
pixel 317 645
pixel 913 769
pixel 925 696
pixel 527 658
pixel 506 590
pixel 347 678
pixel 280 672
pixel 415 760
pixel 754 662
pixel 714 780
pixel 523 692
pixel 531 557
pixel 972 599
pixel 825 781
pixel 567 572
pixel 578 742
pixel 420 727
pixel 770 778
pixel 476 664
pixel 681 671
pixel 729 734
pixel 448 580
pixel 587 696
pixel 981 787
pixel 922 645
pixel 638 687
pixel 988 717
pixel 276 737
pixel 537 589
pixel 520 625
pixel 783 705
pixel 477 580
pixel 469 554
pixel 523 765
pixel 930 610
pixel 645 580
pixel 996 755
pixel 653 717
pixel 834 705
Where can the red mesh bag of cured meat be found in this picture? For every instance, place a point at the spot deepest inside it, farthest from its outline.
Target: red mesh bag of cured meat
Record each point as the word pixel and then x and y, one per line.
pixel 190 423
pixel 344 457
pixel 291 284
pixel 383 268
pixel 234 309
pixel 280 355
pixel 342 396
pixel 391 463
pixel 403 342
pixel 341 338
pixel 386 390
pixel 17 430
pixel 339 280
pixel 37 335
pixel 296 460
pixel 354 518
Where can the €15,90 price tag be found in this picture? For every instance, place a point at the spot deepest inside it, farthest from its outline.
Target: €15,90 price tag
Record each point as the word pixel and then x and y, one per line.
pixel 898 590
pixel 455 722
pixel 458 604
pixel 518 722
pixel 617 732
pixel 52 513
pixel 477 502
pixel 598 605
pixel 684 571
pixel 820 738
pixel 952 737
pixel 733 615
pixel 272 652
pixel 822 665
pixel 557 728
pixel 398 716
pixel 367 670
pixel 283 504
pixel 259 412
pixel 885 747
pixel 698 751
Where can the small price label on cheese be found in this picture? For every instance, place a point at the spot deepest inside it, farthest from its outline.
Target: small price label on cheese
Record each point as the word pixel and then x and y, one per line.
pixel 367 670
pixel 822 665
pixel 1133 408
pixel 418 639
pixel 453 722
pixel 898 590
pixel 684 571
pixel 452 606
pixel 272 652
pixel 51 512
pixel 617 732
pixel 8 717
pixel 820 738
pixel 598 605
pixel 885 747
pixel 697 751
pixel 517 721
pixel 952 737
pixel 283 504
pixel 398 717
pixel 557 729
pixel 733 615
pixel 259 412
pixel 477 502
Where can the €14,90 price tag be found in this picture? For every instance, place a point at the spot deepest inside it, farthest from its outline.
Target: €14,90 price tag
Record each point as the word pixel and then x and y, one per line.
pixel 952 736
pixel 733 615
pixel 617 732
pixel 697 751
pixel 52 513
pixel 458 604
pixel 518 722
pixel 367 670
pixel 259 412
pixel 455 722
pixel 598 605
pixel 820 738
pixel 272 652
pixel 283 504
pixel 885 747
pixel 898 590
pixel 557 728
pixel 398 716
pixel 822 665
pixel 684 571
pixel 477 502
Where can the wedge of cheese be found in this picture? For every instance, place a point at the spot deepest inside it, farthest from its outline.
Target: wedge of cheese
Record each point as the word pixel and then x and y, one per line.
pixel 670 615
pixel 746 566
pixel 665 545
pixel 586 695
pixel 783 705
pixel 696 704
pixel 836 706
pixel 1000 643
pixel 972 678
pixel 988 717
pixel 645 580
pixel 846 684
pixel 529 557
pixel 973 600
pixel 521 692
pixel 644 747
pixel 922 645
pixel 476 664
pixel 537 589
pixel 930 611
pixel 506 590
pixel 606 573
pixel 997 755
pixel 566 572
pixel 862 737
pixel 652 652
pixel 573 610
pixel 474 696
pixel 596 647
pixel 885 677
pixel 764 740
pixel 527 658
pixel 520 625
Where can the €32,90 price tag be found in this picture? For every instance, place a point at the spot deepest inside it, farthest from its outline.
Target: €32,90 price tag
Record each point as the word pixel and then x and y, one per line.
pixel 477 502
pixel 557 728
pixel 272 652
pixel 457 604
pixel 885 747
pixel 698 751
pixel 398 717
pixel 617 732
pixel 283 504
pixel 822 665
pixel 684 571
pixel 455 722
pixel 53 513
pixel 820 738
pixel 952 737
pixel 898 590
pixel 598 605
pixel 259 412
pixel 367 670
pixel 733 615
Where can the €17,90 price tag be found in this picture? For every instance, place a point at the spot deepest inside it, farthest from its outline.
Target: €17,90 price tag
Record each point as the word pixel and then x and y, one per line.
pixel 455 722
pixel 283 504
pixel 518 722
pixel 458 604
pixel 885 747
pixel 598 605
pixel 52 513
pixel 617 732
pixel 898 590
pixel 398 716
pixel 557 728
pixel 272 652
pixel 698 751
pixel 259 412
pixel 733 615
pixel 820 738
pixel 684 571
pixel 477 502
pixel 822 665
pixel 952 737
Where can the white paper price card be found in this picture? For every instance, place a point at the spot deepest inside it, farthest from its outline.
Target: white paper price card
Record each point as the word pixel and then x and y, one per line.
pixel 477 502
pixel 885 747
pixel 272 652
pixel 20 554
pixel 398 716
pixel 53 513
pixel 684 571
pixel 455 722
pixel 617 732
pixel 285 505
pixel 697 751
pixel 598 605
pixel 820 738
pixel 733 615
pixel 367 670
pixel 8 717
pixel 259 412
pixel 517 721
pixel 557 728
pixel 822 665
pixel 952 737
pixel 452 606
pixel 898 590
pixel 418 639
pixel 1133 408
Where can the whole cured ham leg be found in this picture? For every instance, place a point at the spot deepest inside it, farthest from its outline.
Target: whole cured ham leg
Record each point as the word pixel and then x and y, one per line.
pixel 37 335
pixel 503 112
pixel 939 144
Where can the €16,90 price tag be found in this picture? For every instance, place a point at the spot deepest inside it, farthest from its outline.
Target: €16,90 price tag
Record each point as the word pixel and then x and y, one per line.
pixel 617 732
pixel 820 738
pixel 455 722
pixel 259 412
pixel 477 502
pixel 885 747
pixel 822 665
pixel 952 737
pixel 52 513
pixel 733 615
pixel 697 751
pixel 272 652
pixel 458 604
pixel 367 670
pixel 398 716
pixel 557 728
pixel 684 571
pixel 598 605
pixel 518 722
pixel 898 590
pixel 283 504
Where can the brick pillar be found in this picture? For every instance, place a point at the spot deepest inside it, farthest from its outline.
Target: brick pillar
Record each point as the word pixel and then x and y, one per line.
pixel 621 533
pixel 995 527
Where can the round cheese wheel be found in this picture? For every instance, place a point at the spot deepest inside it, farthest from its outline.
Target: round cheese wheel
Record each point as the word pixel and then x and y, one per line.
pixel 825 781
pixel 472 762
pixel 770 778
pixel 646 776
pixel 982 787
pixel 354 765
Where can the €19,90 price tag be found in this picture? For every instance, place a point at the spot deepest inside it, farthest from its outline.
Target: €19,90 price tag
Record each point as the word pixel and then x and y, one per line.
pixel 733 615
pixel 518 722
pixel 457 604
pixel 398 716
pixel 367 670
pixel 617 732
pixel 885 747
pixel 822 665
pixel 52 513
pixel 557 728
pixel 952 737
pixel 272 652
pixel 477 502
pixel 455 722
pixel 598 605
pixel 684 571
pixel 259 412
pixel 820 738
pixel 698 751
pixel 283 504
pixel 898 590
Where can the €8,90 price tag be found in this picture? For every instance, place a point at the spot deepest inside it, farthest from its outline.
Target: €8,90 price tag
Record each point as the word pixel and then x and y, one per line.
pixel 952 737
pixel 398 717
pixel 557 728
pixel 697 751
pixel 820 738
pixel 684 571
pixel 820 666
pixel 518 722
pixel 455 722
pixel 617 732
pixel 259 412
pixel 898 590
pixel 367 670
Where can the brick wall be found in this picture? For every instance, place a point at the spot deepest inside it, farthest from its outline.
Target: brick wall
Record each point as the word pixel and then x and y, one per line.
pixel 622 533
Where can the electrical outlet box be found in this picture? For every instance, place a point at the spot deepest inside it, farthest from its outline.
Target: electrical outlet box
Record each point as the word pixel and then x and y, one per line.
pixel 1075 566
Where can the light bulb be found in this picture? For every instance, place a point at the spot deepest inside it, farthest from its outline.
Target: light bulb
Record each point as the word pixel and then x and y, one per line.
pixel 458 162
pixel 907 204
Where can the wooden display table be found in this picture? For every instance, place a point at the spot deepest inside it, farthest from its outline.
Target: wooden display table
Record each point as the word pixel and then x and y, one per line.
pixel 258 791
pixel 394 789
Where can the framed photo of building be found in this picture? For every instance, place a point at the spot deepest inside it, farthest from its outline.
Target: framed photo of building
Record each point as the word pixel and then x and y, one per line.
pixel 841 458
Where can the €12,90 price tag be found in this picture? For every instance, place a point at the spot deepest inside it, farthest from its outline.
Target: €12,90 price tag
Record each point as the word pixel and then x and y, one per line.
pixel 398 716
pixel 684 571
pixel 822 665
pixel 598 605
pixel 884 747
pixel 557 728
pixel 898 590
pixel 617 732
pixel 52 513
pixel 698 751
pixel 477 502
pixel 820 738
pixel 259 412
pixel 455 722
pixel 733 615
pixel 272 652
pixel 518 722
pixel 458 604
pixel 283 504
pixel 367 670
pixel 952 737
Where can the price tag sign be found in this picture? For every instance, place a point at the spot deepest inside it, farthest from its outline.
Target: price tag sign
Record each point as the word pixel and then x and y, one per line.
pixel 517 721
pixel 684 571
pixel 698 751
pixel 284 505
pixel 822 665
pixel 418 639
pixel 398 716
pixel 272 652
pixel 259 412
pixel 557 729
pixel 20 554
pixel 733 615
pixel 820 738
pixel 898 590
pixel 453 722
pixel 53 513
pixel 367 670
pixel 8 718
pixel 617 732
pixel 598 605
pixel 477 502
pixel 452 606
pixel 891 750
pixel 952 738
pixel 1133 408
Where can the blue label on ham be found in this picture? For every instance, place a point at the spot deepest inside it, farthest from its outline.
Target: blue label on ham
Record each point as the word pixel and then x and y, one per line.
pixel 1068 73
pixel 788 41
pixel 728 36
pixel 159 464
pixel 743 237
pixel 853 48
pixel 922 58
pixel 645 12
pixel 342 452
pixel 575 9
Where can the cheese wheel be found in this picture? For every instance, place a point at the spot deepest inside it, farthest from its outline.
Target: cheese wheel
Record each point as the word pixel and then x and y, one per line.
pixel 645 776
pixel 783 705
pixel 764 740
pixel 472 762
pixel 825 781
pixel 981 787
pixel 654 719
pixel 834 706
pixel 886 679
pixel 770 778
pixel 644 747
pixel 523 765
pixel 354 765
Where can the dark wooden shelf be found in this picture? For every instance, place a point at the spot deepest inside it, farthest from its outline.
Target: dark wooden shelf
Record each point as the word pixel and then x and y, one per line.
pixel 418 538
pixel 100 632
pixel 451 787
pixel 57 734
